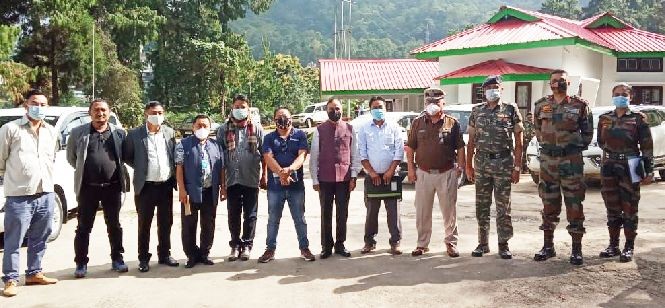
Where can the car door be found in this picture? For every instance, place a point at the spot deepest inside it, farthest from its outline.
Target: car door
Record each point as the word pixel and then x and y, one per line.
pixel 655 119
pixel 320 114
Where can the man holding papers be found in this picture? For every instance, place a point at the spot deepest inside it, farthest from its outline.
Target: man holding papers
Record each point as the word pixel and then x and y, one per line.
pixel 381 148
pixel 627 147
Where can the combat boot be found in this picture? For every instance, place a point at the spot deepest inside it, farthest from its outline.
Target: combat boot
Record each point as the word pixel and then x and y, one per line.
pixel 483 248
pixel 504 251
pixel 612 249
pixel 548 248
pixel 627 254
pixel 576 255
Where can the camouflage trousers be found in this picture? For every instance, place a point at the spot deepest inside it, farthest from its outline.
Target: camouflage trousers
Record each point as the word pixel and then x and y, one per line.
pixel 562 175
pixel 493 175
pixel 621 196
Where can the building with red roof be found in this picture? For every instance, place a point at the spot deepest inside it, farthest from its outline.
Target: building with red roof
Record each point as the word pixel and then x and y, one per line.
pixel 524 46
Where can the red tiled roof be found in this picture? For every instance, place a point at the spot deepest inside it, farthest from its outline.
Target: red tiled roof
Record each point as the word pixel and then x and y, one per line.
pixel 376 74
pixel 494 67
pixel 546 27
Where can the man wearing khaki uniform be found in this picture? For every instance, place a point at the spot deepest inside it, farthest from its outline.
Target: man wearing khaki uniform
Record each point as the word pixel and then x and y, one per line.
pixel 435 141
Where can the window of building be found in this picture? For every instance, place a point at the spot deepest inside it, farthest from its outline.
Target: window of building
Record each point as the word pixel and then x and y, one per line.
pixel 477 94
pixel 640 65
pixel 647 95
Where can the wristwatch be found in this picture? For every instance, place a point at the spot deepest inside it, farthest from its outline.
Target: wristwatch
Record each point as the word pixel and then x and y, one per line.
pixel 518 168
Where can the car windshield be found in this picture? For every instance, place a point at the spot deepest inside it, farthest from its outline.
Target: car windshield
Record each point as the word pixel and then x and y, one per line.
pixel 462 117
pixel 6 119
pixel 309 109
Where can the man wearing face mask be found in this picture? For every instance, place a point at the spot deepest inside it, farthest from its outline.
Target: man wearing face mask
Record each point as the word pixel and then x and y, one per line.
pixel 334 166
pixel 381 149
pixel 623 135
pixel 285 151
pixel 241 140
pixel 149 150
pixel 94 150
pixel 492 126
pixel 26 169
pixel 435 158
pixel 199 173
pixel 564 128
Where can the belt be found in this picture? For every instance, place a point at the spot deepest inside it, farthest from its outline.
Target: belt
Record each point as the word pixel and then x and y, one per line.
pixel 434 170
pixel 618 156
pixel 490 155
pixel 559 152
pixel 102 184
pixel 155 183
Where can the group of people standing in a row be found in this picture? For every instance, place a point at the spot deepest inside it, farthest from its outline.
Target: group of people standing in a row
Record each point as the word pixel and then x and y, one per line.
pixel 243 159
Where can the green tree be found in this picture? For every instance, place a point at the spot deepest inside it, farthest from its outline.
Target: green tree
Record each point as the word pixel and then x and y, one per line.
pixel 564 8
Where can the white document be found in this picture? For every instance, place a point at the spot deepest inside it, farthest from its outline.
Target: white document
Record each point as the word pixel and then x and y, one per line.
pixel 633 163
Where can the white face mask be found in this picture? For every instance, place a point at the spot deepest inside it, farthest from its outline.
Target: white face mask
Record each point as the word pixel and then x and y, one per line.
pixel 432 109
pixel 202 133
pixel 493 94
pixel 156 119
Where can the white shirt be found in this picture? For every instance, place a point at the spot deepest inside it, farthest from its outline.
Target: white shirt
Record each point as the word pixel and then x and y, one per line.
pixel 158 158
pixel 26 159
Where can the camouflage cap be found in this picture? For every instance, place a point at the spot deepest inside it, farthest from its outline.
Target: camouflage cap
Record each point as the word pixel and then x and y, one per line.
pixel 492 79
pixel 434 93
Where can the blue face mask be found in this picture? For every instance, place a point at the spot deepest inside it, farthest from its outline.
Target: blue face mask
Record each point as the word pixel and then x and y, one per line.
pixel 37 112
pixel 240 114
pixel 620 101
pixel 378 114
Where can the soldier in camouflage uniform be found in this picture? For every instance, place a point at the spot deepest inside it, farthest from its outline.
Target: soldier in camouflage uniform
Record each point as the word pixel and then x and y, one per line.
pixel 564 128
pixel 623 134
pixel 528 134
pixel 492 125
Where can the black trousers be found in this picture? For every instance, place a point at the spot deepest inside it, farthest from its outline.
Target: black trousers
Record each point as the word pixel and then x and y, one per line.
pixel 372 220
pixel 89 200
pixel 242 201
pixel 208 212
pixel 155 195
pixel 339 193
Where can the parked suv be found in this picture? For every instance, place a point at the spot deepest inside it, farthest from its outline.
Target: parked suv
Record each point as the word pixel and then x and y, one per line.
pixel 592 156
pixel 312 115
pixel 64 119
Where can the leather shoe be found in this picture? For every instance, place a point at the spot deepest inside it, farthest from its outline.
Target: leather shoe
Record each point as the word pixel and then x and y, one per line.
pixel 452 251
pixel 419 251
pixel 144 266
pixel 39 279
pixel 267 256
pixel 325 254
pixel 394 250
pixel 190 263
pixel 205 260
pixel 169 261
pixel 81 270
pixel 343 252
pixel 368 248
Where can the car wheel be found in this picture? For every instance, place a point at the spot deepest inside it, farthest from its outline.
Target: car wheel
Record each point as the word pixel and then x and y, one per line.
pixel 58 218
pixel 310 123
pixel 662 174
pixel 535 177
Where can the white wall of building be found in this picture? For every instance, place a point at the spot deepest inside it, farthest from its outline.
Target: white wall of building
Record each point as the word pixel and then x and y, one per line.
pixel 584 65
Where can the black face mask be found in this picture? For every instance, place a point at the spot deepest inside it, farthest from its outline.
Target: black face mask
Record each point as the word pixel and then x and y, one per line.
pixel 562 85
pixel 334 115
pixel 283 123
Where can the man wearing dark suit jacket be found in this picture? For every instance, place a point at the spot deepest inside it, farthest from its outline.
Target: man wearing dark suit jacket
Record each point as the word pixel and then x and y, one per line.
pixel 95 152
pixel 149 150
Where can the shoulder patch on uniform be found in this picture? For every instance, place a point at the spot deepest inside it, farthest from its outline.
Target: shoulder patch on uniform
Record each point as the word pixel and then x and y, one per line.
pixel 547 108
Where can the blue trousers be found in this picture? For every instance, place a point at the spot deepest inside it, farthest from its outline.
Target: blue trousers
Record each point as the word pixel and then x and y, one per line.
pixel 296 200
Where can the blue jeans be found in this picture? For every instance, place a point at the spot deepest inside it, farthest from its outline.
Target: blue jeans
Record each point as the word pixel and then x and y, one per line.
pixel 296 199
pixel 26 217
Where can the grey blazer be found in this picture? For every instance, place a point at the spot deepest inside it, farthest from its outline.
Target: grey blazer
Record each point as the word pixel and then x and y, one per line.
pixel 135 154
pixel 77 151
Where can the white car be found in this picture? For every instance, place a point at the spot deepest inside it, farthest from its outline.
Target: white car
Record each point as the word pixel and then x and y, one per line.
pixel 64 119
pixel 312 115
pixel 592 156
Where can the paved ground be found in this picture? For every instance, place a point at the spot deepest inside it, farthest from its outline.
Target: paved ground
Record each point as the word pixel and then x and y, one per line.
pixel 373 280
